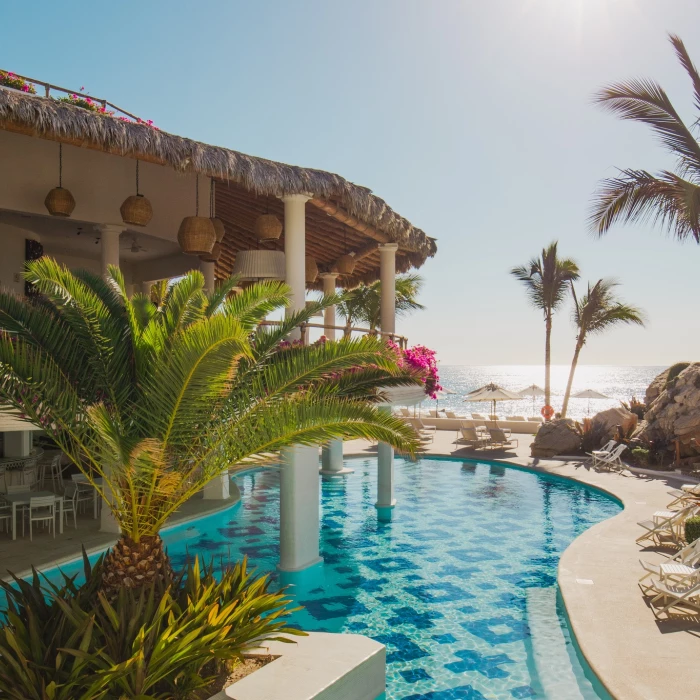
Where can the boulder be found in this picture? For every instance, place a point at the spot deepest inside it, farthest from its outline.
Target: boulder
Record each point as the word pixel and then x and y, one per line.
pixel 657 385
pixel 556 437
pixel 606 422
pixel 675 413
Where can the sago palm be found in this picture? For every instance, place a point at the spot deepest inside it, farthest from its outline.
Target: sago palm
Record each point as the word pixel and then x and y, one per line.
pixel 671 199
pixel 158 400
pixel 597 311
pixel 363 304
pixel 547 280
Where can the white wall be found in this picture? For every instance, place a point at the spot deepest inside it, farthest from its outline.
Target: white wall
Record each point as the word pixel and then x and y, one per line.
pixel 12 257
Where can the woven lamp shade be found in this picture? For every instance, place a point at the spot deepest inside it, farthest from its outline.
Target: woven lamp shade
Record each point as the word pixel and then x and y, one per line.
pixel 259 264
pixel 267 227
pixel 219 229
pixel 345 264
pixel 136 210
pixel 196 235
pixel 59 202
pixel 311 270
pixel 214 255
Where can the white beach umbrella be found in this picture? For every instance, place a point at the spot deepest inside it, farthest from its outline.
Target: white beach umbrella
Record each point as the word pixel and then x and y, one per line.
pixel 533 391
pixel 589 394
pixel 441 394
pixel 493 393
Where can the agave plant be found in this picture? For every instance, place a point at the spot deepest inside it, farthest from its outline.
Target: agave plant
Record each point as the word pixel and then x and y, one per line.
pixel 152 402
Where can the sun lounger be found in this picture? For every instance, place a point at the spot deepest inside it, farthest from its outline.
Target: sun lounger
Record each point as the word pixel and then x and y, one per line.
pixel 425 432
pixel 604 451
pixel 500 439
pixel 478 416
pixel 471 438
pixel 666 525
pixel 515 418
pixel 674 595
pixel 687 495
pixel 688 557
pixel 405 412
pixel 612 460
pixel 494 424
pixel 453 415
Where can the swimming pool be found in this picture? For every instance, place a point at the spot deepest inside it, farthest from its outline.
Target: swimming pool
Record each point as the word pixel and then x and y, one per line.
pixel 460 586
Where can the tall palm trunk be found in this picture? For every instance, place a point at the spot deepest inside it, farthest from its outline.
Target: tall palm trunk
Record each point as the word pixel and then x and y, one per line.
pixel 548 359
pixel 580 340
pixel 131 564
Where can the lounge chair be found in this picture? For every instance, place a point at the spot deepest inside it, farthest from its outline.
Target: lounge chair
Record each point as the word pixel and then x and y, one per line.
pixel 666 525
pixel 471 438
pixel 425 432
pixel 472 424
pixel 688 557
pixel 604 451
pixel 494 424
pixel 517 418
pixel 405 412
pixel 453 415
pixel 686 593
pixel 500 439
pixel 612 460
pixel 478 416
pixel 493 416
pixel 687 495
pixel 535 419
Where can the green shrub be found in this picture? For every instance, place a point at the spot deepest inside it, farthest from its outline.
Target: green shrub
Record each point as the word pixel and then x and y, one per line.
pixel 692 529
pixel 640 455
pixel 66 642
pixel 675 370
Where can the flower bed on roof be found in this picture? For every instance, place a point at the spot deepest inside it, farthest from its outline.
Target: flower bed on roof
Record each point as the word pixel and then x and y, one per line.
pixel 13 81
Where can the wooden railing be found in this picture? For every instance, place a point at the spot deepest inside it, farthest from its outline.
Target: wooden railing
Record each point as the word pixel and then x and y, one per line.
pixel 48 87
pixel 400 340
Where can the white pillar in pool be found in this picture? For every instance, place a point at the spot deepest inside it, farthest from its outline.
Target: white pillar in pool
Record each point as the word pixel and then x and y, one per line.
pixel 109 239
pixel 385 474
pixel 299 509
pixel 299 480
pixel 295 251
pixel 209 271
pixel 109 235
pixel 332 453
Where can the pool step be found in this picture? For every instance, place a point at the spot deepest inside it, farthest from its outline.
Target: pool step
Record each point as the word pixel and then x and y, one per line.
pixel 551 657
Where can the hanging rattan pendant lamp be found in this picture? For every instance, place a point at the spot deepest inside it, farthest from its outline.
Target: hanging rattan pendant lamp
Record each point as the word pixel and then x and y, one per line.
pixel 136 210
pixel 219 229
pixel 59 201
pixel 214 255
pixel 267 227
pixel 345 264
pixel 196 235
pixel 311 270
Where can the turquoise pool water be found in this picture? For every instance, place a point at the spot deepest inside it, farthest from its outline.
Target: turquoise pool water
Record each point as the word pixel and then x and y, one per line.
pixel 460 586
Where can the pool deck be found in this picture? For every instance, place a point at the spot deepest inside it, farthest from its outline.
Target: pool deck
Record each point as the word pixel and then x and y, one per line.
pixel 635 656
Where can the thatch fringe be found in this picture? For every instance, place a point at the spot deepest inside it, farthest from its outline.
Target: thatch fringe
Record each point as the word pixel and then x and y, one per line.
pixel 60 121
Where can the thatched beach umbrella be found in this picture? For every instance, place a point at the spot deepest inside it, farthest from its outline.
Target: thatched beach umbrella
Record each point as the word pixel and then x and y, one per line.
pixel 492 392
pixel 589 394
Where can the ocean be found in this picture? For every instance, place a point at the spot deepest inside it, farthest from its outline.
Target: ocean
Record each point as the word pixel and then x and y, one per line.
pixel 618 383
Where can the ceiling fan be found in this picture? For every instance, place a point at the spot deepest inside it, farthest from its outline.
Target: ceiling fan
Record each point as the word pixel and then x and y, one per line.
pixel 135 246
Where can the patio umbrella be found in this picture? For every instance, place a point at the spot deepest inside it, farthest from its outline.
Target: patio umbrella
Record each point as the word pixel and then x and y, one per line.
pixel 589 394
pixel 493 393
pixel 441 395
pixel 533 391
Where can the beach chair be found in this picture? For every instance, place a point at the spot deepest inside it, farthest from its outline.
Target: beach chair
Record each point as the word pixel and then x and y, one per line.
pixel 674 595
pixel 604 451
pixel 612 460
pixel 425 432
pixel 478 416
pixel 405 412
pixel 500 439
pixel 665 525
pixel 687 495
pixel 494 424
pixel 471 438
pixel 453 415
pixel 688 557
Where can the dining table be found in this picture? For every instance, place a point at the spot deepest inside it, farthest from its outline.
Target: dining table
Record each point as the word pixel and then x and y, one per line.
pixel 23 498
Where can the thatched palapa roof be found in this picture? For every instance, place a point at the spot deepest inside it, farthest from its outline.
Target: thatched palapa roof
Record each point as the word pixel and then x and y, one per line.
pixel 341 216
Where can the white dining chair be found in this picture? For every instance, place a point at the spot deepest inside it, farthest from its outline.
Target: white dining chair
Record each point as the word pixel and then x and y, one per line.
pixel 42 509
pixel 70 503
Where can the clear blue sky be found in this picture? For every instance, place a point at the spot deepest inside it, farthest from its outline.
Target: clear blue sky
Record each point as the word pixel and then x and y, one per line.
pixel 472 119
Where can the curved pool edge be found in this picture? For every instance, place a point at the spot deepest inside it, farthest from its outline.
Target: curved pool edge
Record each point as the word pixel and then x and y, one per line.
pixel 616 633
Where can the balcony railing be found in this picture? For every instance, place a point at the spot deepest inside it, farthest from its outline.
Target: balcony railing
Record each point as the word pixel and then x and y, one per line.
pixel 400 340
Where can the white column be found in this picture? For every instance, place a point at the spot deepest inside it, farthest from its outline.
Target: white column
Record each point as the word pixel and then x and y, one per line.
pixel 329 279
pixel 218 489
pixel 385 470
pixel 332 459
pixel 17 443
pixel 295 251
pixel 146 287
pixel 109 234
pixel 299 509
pixel 387 275
pixel 208 270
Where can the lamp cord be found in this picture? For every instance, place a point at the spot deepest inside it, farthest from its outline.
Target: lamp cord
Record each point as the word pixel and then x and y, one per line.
pixel 60 165
pixel 137 177
pixel 196 190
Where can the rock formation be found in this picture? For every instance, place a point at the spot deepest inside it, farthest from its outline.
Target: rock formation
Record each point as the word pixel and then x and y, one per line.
pixel 556 437
pixel 607 421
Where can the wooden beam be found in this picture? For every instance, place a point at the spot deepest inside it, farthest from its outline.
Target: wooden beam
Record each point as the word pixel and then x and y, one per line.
pixel 341 215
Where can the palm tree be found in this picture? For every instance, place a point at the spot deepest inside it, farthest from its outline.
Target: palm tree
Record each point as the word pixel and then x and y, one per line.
pixel 363 303
pixel 671 199
pixel 547 279
pixel 159 400
pixel 597 311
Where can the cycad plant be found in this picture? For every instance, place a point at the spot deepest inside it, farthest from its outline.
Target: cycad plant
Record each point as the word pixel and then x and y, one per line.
pixel 671 199
pixel 363 303
pixel 159 400
pixel 597 311
pixel 547 280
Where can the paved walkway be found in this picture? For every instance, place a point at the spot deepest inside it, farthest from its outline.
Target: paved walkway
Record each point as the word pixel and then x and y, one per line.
pixel 633 654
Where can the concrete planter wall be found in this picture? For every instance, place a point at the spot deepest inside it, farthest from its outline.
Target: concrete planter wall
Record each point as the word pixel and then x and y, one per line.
pixel 321 666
